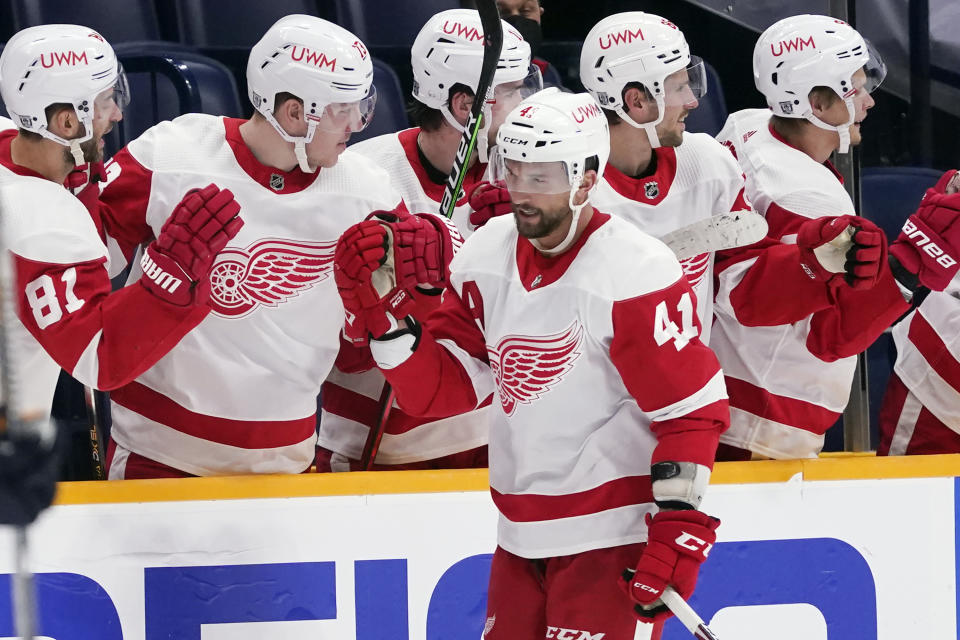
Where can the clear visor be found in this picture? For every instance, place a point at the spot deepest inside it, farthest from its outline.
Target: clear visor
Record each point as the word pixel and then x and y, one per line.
pixel 876 69
pixel 347 116
pixel 118 94
pixel 686 86
pixel 529 177
pixel 507 95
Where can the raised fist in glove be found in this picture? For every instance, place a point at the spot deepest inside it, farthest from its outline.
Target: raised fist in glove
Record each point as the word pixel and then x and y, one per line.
pixel 177 264
pixel 841 249
pixel 929 243
pixel 423 246
pixel 488 200
pixel 363 268
pixel 677 544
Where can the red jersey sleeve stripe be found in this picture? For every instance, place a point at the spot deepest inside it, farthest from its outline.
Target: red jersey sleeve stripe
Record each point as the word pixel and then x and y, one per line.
pixel 789 411
pixel 931 346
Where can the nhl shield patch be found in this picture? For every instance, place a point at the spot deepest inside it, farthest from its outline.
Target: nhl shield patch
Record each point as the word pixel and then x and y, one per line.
pixel 651 190
pixel 276 182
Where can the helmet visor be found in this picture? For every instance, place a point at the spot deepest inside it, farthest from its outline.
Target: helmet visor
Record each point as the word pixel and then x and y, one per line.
pixel 686 86
pixel 118 94
pixel 876 69
pixel 347 116
pixel 507 95
pixel 529 177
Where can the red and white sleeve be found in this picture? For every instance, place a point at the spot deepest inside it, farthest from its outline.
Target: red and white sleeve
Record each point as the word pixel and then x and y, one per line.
pixel 673 376
pixel 123 202
pixel 448 372
pixel 103 339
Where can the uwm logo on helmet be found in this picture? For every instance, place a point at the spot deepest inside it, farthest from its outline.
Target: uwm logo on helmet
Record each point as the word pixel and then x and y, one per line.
pixel 796 44
pixel 462 31
pixel 586 111
pixel 311 57
pixel 63 59
pixel 621 37
pixel 922 240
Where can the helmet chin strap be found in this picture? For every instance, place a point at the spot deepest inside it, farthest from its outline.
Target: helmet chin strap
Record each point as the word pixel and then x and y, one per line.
pixel 77 153
pixel 571 232
pixel 649 127
pixel 842 130
pixel 299 142
pixel 450 119
pixel 483 144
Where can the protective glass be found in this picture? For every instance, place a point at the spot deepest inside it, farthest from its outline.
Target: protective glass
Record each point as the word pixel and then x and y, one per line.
pixel 355 116
pixel 118 94
pixel 687 85
pixel 529 177
pixel 507 95
pixel 876 69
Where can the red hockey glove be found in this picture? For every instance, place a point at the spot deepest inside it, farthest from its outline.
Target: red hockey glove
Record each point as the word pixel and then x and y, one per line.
pixel 948 182
pixel 423 246
pixel 839 249
pixel 929 244
pixel 177 264
pixel 677 544
pixel 363 271
pixel 488 201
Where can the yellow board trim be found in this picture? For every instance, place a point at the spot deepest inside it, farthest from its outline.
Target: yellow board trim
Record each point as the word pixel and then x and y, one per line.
pixel 387 482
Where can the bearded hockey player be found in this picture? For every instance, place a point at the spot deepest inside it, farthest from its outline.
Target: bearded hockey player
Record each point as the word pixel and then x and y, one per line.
pixel 446 59
pixel 921 408
pixel 789 383
pixel 240 395
pixel 557 303
pixel 65 90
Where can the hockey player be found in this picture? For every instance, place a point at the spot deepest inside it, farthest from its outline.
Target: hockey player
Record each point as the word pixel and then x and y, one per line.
pixel 557 303
pixel 239 396
pixel 789 383
pixel 446 58
pixel 65 89
pixel 921 407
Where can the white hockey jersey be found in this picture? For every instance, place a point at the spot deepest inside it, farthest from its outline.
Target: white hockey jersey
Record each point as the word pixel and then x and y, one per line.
pixel 238 395
pixel 68 316
pixel 789 383
pixel 694 181
pixel 351 401
pixel 598 372
pixel 928 353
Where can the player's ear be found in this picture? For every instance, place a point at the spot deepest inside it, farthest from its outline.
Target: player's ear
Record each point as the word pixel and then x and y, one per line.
pixel 460 104
pixel 64 123
pixel 586 183
pixel 638 105
pixel 290 116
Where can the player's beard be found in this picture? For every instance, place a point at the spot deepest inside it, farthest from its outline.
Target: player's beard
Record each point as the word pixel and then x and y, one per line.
pixel 90 149
pixel 672 137
pixel 546 223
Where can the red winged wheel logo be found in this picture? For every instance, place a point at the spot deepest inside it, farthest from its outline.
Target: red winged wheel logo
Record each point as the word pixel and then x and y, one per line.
pixel 527 367
pixel 268 272
pixel 695 268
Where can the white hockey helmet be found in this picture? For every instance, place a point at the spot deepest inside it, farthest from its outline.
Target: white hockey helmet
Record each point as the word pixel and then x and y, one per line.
pixel 320 63
pixel 559 132
pixel 638 47
pixel 60 63
pixel 449 50
pixel 799 53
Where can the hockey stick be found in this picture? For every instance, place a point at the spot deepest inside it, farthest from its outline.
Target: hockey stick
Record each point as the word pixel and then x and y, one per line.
pixel 492 44
pixel 686 615
pixel 716 233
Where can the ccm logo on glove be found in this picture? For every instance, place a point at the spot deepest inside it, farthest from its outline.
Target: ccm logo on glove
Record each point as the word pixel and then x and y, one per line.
pixel 693 543
pixel 930 248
